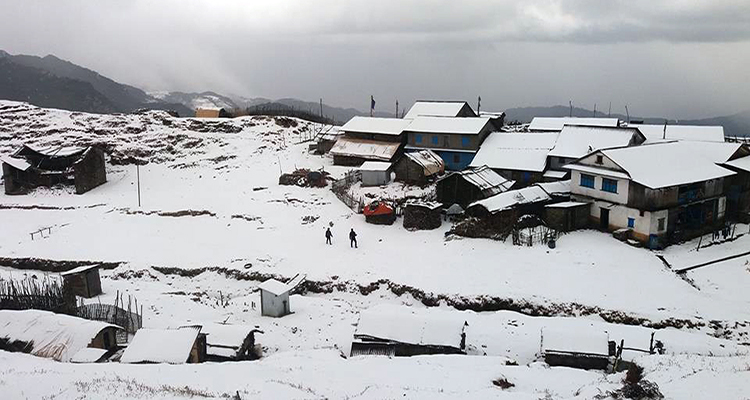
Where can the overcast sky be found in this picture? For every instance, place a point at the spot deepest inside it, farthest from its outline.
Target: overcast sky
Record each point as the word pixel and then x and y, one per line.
pixel 674 58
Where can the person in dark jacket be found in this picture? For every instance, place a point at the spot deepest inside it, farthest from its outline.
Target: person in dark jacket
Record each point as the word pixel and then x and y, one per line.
pixel 353 238
pixel 329 235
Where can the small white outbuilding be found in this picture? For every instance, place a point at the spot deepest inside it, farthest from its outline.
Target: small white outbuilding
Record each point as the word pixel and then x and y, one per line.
pixel 375 173
pixel 274 296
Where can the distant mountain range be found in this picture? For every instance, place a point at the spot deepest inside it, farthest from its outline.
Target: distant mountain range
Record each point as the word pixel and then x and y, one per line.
pixel 736 124
pixel 51 82
pixel 55 83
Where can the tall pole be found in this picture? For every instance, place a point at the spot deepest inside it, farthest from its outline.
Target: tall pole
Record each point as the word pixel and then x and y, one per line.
pixel 609 112
pixel 627 113
pixel 138 178
pixel 396 108
pixel 321 107
pixel 570 103
pixel 594 110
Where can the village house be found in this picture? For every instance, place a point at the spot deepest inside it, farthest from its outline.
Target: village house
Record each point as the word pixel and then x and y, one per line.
pixel 369 139
pixel 166 346
pixel 419 167
pixel 56 336
pixel 497 119
pixel 212 113
pixel 738 191
pixel 468 186
pixel 33 166
pixel 662 193
pixel 556 124
pixel 681 132
pixel 576 141
pixel 83 281
pixel 437 108
pixel 455 140
pixel 521 157
pixel 403 332
pixel 375 173
pixel 577 349
pixel 500 212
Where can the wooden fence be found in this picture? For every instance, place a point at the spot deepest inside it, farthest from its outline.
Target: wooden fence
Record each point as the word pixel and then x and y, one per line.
pixel 534 235
pixel 341 188
pixel 44 294
pixel 130 319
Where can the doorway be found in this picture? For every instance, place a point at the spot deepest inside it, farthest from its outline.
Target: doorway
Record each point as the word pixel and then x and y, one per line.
pixel 604 219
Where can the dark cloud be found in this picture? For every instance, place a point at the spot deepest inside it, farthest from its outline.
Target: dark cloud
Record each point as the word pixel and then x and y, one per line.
pixel 676 57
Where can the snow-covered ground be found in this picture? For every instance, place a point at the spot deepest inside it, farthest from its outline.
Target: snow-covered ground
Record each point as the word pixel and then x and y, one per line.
pixel 221 176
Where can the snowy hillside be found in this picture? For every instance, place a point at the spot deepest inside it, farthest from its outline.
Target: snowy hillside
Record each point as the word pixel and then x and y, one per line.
pixel 195 101
pixel 214 223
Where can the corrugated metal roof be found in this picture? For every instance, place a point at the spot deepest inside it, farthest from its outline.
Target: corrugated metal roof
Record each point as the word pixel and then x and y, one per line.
pixel 367 149
pixel 485 179
pixel 448 125
pixel 16 163
pixel 383 126
pixel 435 109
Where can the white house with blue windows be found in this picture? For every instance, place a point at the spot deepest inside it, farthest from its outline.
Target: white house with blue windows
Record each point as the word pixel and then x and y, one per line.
pixel 663 193
pixel 455 140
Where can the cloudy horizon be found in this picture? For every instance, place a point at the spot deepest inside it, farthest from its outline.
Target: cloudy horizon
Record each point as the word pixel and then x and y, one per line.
pixel 677 58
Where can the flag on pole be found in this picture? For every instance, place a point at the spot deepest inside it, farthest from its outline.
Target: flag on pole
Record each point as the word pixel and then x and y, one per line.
pixel 479 102
pixel 372 104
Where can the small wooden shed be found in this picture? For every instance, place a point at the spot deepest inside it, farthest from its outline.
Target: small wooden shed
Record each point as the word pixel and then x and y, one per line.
pixel 166 346
pixel 567 216
pixel 83 281
pixel 422 215
pixel 419 167
pixel 211 113
pixel 577 349
pixel 274 296
pixel 375 173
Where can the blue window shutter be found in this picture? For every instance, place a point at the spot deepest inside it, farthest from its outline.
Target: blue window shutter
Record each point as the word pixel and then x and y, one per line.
pixel 434 140
pixel 631 222
pixel 418 138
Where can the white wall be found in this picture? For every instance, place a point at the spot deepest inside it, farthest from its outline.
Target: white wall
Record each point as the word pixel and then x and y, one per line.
pixel 646 224
pixel 621 197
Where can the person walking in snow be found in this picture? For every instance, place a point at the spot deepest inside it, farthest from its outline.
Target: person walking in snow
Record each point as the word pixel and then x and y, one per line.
pixel 353 238
pixel 329 235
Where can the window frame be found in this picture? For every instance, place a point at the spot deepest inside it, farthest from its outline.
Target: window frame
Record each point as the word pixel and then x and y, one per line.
pixel 435 140
pixel 587 176
pixel 418 138
pixel 599 159
pixel 607 185
pixel 631 222
pixel 465 141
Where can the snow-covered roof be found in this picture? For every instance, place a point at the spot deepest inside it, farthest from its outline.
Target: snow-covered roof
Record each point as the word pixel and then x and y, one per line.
pixel 485 179
pixel 56 151
pixel 575 341
pixel 516 151
pixel 79 269
pixel 435 109
pixel 682 132
pixel 275 287
pixel 556 123
pixel 431 205
pixel 225 340
pixel 88 355
pixel 367 149
pixel 555 174
pixel 383 126
pixel 51 335
pixel 428 159
pixel 566 204
pixel 667 164
pixel 718 152
pixel 462 126
pixel 407 325
pixel 171 346
pixel 16 163
pixel 536 193
pixel 375 166
pixel 742 163
pixel 577 141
